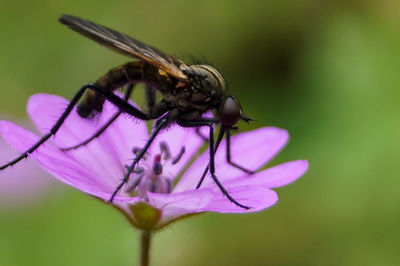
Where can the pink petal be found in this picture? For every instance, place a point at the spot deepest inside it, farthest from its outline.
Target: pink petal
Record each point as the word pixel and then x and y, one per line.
pixel 63 167
pixel 177 204
pixel 45 109
pixel 251 150
pixel 105 156
pixel 257 198
pixel 273 177
pixel 123 135
pixel 23 184
pixel 177 137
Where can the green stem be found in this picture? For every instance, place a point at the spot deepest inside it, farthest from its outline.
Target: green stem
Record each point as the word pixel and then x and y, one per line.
pixel 145 240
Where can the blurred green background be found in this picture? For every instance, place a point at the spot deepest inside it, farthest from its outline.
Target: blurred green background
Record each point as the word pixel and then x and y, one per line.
pixel 328 71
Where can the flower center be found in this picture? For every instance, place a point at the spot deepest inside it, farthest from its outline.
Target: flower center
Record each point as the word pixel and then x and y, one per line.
pixel 149 177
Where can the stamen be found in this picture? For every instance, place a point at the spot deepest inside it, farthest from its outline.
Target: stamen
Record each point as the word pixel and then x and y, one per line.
pixel 137 170
pixel 179 156
pixel 165 150
pixel 134 182
pixel 137 150
pixel 149 176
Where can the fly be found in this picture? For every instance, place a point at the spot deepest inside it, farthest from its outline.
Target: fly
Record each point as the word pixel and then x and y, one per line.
pixel 188 91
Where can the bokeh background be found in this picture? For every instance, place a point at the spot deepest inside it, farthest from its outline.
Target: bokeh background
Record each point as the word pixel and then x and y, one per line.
pixel 328 71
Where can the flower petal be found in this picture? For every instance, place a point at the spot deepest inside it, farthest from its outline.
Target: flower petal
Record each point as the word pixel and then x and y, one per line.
pixel 45 109
pixel 25 183
pixel 251 150
pixel 105 156
pixel 63 167
pixel 273 177
pixel 178 204
pixel 257 198
pixel 123 135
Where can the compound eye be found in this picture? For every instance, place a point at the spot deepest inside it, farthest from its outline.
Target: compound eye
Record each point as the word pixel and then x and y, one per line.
pixel 230 112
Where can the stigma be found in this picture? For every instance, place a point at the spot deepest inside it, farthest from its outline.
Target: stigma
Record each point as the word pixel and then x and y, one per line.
pixel 149 175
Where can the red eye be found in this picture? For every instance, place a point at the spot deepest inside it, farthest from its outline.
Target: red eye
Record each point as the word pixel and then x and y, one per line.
pixel 230 112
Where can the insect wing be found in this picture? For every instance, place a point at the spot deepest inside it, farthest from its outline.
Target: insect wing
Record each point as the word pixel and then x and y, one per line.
pixel 125 45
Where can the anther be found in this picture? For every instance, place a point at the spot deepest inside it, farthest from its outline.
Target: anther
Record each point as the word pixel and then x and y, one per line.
pixel 179 155
pixel 157 166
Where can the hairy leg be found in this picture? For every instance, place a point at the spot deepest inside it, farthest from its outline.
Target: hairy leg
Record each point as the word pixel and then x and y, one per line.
pixel 211 165
pixel 123 105
pixel 97 134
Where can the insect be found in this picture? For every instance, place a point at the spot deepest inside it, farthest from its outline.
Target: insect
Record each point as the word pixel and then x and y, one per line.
pixel 188 91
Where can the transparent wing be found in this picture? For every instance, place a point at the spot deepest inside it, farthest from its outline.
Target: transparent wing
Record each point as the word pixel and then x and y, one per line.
pixel 125 45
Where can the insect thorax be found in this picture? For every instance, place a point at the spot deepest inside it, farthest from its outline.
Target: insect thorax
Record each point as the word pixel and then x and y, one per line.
pixel 203 91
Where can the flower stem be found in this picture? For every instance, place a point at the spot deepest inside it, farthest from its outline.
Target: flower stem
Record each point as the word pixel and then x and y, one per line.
pixel 145 240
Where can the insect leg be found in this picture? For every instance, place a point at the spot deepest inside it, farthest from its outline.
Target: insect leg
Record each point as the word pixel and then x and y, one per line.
pixel 123 105
pixel 228 154
pixel 128 93
pixel 200 134
pixel 150 98
pixel 212 172
pixel 220 136
pixel 53 130
pixel 211 166
pixel 159 125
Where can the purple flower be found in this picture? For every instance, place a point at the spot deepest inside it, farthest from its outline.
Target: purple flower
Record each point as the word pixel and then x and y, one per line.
pixel 150 200
pixel 25 184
